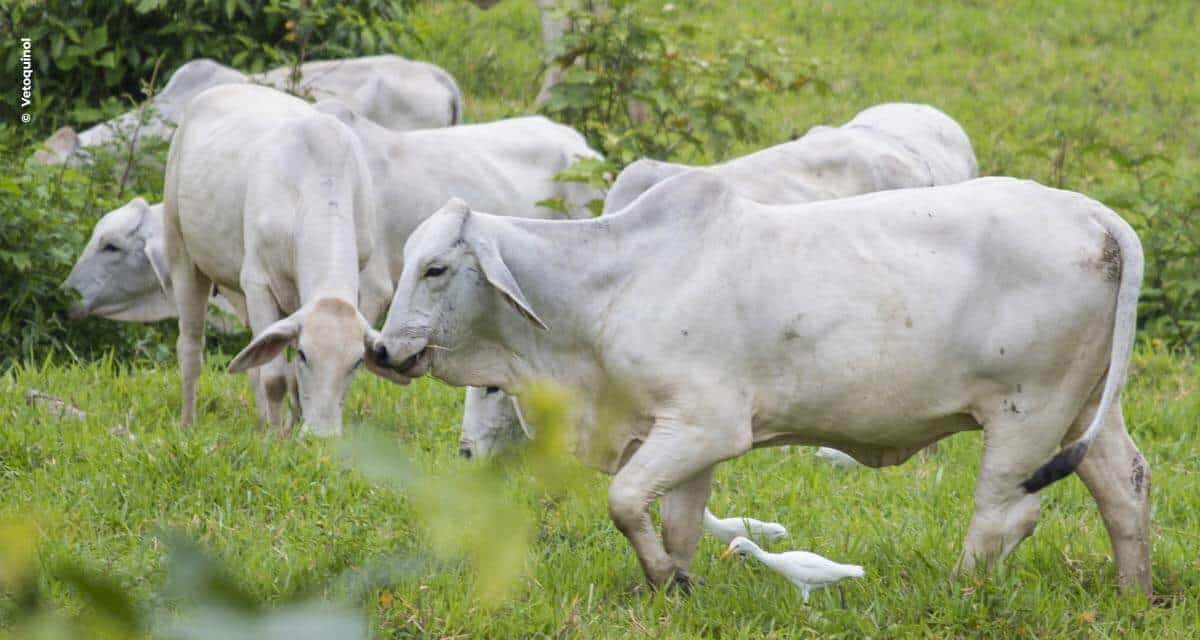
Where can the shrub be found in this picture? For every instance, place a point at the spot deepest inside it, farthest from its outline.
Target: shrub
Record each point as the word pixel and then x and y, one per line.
pixel 637 85
pixel 1165 210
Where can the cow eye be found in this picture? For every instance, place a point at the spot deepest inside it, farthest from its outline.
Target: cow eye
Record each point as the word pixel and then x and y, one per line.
pixel 303 358
pixel 357 365
pixel 110 247
pixel 433 272
pixel 491 390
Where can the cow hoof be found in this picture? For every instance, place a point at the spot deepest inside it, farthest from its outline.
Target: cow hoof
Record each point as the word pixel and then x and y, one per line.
pixel 684 582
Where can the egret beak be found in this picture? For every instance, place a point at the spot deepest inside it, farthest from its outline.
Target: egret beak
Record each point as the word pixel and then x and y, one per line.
pixel 725 554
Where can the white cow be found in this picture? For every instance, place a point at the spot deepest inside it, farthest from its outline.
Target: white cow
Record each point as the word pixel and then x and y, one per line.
pixel 122 272
pixel 887 146
pixel 266 196
pixel 395 92
pixel 120 284
pixel 875 324
pixel 510 164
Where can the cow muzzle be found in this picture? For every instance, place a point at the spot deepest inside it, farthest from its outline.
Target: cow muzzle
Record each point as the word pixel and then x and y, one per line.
pixel 408 360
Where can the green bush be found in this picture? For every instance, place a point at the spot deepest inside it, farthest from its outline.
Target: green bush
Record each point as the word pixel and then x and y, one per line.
pixel 1169 226
pixel 637 84
pixel 92 57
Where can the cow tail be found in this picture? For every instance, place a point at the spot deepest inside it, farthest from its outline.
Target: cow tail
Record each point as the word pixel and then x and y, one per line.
pixel 1122 241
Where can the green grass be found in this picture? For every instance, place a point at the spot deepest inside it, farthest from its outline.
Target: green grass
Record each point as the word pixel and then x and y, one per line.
pixel 1046 90
pixel 289 516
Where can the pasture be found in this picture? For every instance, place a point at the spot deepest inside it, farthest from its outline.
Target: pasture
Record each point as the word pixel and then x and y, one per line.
pixel 1098 97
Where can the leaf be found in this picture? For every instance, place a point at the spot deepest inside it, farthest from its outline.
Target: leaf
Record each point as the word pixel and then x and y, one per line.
pixel 554 204
pixel 95 39
pixel 105 594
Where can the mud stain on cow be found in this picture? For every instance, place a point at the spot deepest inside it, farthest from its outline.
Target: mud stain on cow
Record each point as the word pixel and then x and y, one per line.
pixel 1109 261
pixel 1138 477
pixel 791 331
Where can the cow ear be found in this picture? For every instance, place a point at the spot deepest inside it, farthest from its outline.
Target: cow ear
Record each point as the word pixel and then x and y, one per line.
pixel 525 426
pixel 267 345
pixel 156 253
pixel 502 279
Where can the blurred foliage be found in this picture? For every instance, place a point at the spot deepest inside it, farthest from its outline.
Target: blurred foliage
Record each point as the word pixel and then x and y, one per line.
pixel 468 517
pixel 91 56
pixel 465 513
pixel 199 601
pixel 637 84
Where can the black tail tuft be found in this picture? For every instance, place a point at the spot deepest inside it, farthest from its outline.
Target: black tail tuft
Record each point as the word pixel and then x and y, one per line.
pixel 1060 466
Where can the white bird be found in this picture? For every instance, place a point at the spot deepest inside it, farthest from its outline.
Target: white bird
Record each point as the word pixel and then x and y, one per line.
pixel 837 458
pixel 808 571
pixel 726 529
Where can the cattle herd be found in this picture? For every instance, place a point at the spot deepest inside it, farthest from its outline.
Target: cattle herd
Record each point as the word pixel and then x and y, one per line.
pixel 856 288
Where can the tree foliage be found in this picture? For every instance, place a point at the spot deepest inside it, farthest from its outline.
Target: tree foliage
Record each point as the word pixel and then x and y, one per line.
pixel 637 84
pixel 93 56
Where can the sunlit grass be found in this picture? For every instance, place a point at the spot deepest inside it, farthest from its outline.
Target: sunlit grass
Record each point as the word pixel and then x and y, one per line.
pixel 496 552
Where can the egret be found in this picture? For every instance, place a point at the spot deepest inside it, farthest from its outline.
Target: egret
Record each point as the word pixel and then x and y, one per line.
pixel 808 571
pixel 726 529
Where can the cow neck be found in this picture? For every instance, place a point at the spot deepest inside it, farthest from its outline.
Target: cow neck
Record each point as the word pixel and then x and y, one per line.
pixel 326 253
pixel 571 272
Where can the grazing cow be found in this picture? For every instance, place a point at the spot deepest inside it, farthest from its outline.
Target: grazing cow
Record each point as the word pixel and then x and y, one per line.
pixel 395 92
pixel 888 146
pixel 122 272
pixel 875 324
pixel 266 196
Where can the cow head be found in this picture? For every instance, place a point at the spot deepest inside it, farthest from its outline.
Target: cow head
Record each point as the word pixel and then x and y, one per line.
pixel 491 423
pixel 444 313
pixel 328 335
pixel 122 273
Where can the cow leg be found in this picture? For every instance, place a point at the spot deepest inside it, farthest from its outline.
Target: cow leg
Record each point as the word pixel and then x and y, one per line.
pixel 671 455
pixel 682 512
pixel 1014 446
pixel 272 376
pixel 1119 479
pixel 238 302
pixel 296 414
pixel 191 297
